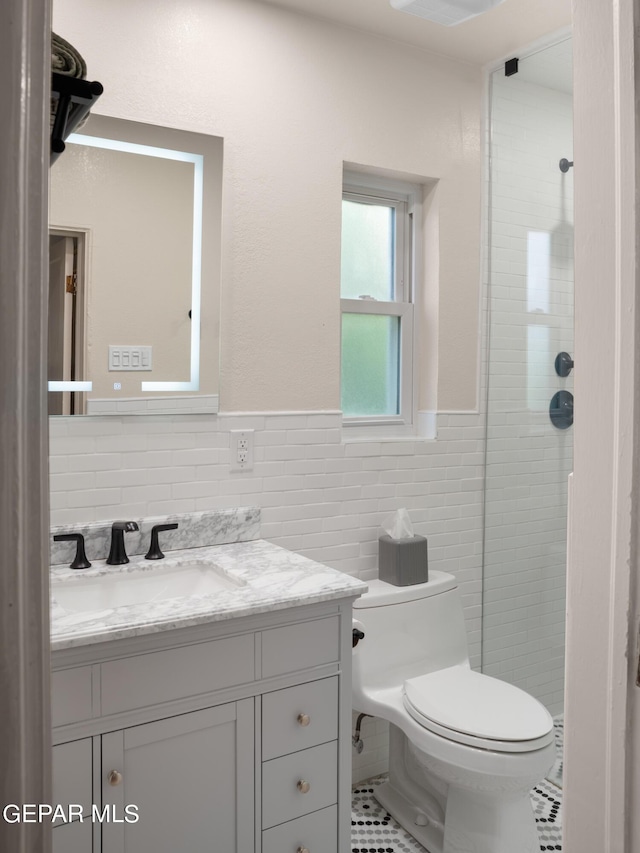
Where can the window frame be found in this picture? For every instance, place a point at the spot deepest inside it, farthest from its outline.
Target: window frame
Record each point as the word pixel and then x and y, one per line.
pixel 405 199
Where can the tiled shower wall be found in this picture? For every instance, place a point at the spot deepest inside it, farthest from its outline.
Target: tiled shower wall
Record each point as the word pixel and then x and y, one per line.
pixel 531 320
pixel 319 495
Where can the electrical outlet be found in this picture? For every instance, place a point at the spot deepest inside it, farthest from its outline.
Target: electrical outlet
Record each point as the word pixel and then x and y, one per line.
pixel 241 450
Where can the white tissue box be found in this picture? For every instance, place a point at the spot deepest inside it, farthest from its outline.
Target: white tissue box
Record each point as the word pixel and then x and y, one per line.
pixel 403 562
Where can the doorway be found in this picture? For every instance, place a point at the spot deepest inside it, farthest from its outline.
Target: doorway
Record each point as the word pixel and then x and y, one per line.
pixel 66 323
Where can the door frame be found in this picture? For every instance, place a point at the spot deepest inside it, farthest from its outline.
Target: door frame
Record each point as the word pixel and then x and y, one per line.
pixel 25 738
pixel 84 237
pixel 61 316
pixel 601 645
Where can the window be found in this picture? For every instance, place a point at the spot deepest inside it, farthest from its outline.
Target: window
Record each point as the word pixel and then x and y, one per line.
pixel 377 302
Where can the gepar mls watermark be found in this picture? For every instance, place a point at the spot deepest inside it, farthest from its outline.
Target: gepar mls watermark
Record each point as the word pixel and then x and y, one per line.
pixel 68 813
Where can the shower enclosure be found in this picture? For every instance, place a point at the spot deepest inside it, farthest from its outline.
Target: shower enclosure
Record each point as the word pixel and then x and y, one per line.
pixel 528 383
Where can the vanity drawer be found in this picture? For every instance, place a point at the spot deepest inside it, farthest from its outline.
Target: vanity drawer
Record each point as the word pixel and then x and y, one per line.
pixel 157 677
pixel 71 695
pixel 317 833
pixel 300 646
pixel 299 717
pixel 72 771
pixel 282 780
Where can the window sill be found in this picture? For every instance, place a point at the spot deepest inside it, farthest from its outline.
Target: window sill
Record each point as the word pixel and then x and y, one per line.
pixel 423 429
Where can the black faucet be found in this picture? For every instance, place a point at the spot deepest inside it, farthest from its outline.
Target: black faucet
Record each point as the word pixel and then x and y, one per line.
pixel 117 554
pixel 80 560
pixel 154 552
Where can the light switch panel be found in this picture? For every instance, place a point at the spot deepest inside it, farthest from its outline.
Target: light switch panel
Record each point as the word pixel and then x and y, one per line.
pixel 130 358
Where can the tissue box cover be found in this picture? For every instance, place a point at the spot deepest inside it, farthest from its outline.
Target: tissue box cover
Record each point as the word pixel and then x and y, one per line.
pixel 403 562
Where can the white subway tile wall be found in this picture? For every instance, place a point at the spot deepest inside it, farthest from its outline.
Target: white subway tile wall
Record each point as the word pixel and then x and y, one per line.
pixel 530 305
pixel 318 495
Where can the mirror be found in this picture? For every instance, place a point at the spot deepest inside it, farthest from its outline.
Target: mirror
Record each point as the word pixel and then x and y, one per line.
pixel 134 294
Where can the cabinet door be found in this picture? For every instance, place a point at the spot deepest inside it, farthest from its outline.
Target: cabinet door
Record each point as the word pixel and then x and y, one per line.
pixel 191 778
pixel 74 837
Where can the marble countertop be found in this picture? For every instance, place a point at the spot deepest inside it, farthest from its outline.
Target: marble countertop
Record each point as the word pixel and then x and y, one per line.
pixel 266 577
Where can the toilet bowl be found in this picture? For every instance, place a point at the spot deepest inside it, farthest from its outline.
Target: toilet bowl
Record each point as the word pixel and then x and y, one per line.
pixel 464 748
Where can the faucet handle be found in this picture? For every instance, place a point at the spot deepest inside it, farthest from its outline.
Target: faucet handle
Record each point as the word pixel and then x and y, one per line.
pixel 154 552
pixel 80 560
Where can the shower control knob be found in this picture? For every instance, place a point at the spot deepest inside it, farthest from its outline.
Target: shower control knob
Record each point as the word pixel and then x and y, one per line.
pixel 303 719
pixel 303 786
pixel 563 364
pixel 114 777
pixel 561 409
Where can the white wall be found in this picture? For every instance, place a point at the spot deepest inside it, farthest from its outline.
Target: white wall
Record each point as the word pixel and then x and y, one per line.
pixel 293 97
pixel 531 320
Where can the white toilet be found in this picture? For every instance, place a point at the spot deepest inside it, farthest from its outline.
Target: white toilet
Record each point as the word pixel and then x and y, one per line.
pixel 464 748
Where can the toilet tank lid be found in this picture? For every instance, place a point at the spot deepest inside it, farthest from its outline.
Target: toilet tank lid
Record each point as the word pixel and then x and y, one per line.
pixel 381 593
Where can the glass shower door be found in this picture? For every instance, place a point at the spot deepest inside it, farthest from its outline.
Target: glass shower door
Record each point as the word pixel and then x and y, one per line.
pixel 528 383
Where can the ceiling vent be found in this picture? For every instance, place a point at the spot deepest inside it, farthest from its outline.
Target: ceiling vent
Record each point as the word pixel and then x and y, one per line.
pixel 445 12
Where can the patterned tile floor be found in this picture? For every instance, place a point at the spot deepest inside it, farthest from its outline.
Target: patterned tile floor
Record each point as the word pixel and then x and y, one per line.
pixel 373 830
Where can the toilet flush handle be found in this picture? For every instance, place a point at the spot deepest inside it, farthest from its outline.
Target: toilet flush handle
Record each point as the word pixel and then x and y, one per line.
pixel 356 636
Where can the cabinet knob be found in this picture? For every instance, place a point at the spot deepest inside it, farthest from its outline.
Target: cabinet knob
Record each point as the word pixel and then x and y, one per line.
pixel 114 777
pixel 303 787
pixel 304 719
pixel 303 850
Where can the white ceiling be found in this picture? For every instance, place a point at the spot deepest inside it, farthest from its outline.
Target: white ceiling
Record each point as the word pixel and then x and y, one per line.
pixel 494 35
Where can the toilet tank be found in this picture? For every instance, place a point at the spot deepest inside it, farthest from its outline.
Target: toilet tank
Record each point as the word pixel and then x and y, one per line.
pixel 409 631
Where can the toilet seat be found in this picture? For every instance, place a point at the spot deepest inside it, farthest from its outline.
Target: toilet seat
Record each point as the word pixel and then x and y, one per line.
pixel 475 709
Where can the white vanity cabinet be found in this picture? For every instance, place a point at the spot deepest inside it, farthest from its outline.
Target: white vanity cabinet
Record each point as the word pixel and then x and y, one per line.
pixel 232 737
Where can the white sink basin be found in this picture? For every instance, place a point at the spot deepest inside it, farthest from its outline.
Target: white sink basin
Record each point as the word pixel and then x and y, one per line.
pixel 122 589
